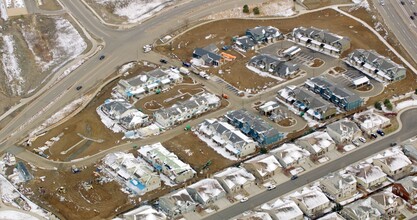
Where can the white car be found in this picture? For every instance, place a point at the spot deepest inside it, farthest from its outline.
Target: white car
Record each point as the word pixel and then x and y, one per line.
pixel 271 187
pixel 362 139
pixel 244 199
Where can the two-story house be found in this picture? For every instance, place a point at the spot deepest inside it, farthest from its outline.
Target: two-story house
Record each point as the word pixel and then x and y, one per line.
pixel 387 204
pixel 312 202
pixel 283 210
pixel 339 186
pixel 394 163
pixel 343 131
pixel 361 210
pixel 206 191
pixel 263 166
pixel 369 176
pixel 290 155
pixel 317 143
pixel 177 203
pixel 274 65
pixel 370 122
pixel 234 179
pixel 406 188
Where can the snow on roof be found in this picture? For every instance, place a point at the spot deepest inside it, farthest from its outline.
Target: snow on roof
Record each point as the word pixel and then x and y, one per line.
pixel 363 209
pixel 145 213
pixel 180 198
pixel 265 164
pixel 319 140
pixel 207 188
pixel 387 199
pixel 283 210
pixel 332 216
pixel 290 153
pixel 338 181
pixel 369 173
pixel 311 197
pixel 369 119
pixel 252 215
pixel 234 176
pixel 394 159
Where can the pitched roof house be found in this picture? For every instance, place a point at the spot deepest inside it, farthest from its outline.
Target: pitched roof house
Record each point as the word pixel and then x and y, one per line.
pixel 144 212
pixel 343 131
pixel 208 55
pixel 263 166
pixel 206 191
pixel 321 40
pixel 376 65
pixel 290 154
pixel 317 143
pixel 177 203
pixel 234 179
pixel 227 136
pixel 274 65
pixel 335 93
pixel 370 122
pixel 370 176
pixel 253 215
pixel 283 210
pixel 339 186
pixel 406 188
pixel 123 113
pixel 166 162
pixel 361 210
pixel 312 202
pixel 387 203
pixel 394 163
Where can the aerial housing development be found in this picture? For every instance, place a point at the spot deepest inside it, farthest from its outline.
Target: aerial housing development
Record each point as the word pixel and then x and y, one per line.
pixel 228 109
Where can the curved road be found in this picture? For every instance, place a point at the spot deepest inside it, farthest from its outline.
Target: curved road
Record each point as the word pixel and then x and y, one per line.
pixel 408 119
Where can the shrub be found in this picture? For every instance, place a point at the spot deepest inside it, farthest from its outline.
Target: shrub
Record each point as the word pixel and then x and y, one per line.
pixel 256 10
pixel 386 101
pixel 389 106
pixel 264 150
pixel 246 9
pixel 378 105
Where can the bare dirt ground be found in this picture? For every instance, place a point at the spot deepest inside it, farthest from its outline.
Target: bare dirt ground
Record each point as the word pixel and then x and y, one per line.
pixel 100 202
pixel 43 31
pixel 317 62
pixel 50 5
pixel 287 122
pixel 87 123
pixel 313 4
pixel 190 149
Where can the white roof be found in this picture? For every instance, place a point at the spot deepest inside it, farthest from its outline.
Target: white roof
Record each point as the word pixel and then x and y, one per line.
pixel 331 216
pixel 369 119
pixel 394 159
pixel 267 163
pixel 253 215
pixel 165 81
pixel 360 81
pixel 123 173
pixel 234 176
pixel 268 106
pixel 319 140
pixel 137 90
pixel 370 173
pixel 283 210
pixel 145 213
pixel 153 85
pixel 290 153
pixel 207 188
pixel 311 198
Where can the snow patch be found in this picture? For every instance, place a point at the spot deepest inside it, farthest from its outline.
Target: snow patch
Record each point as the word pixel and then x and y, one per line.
pixel 409 103
pixel 3 11
pixel 220 150
pixel 11 66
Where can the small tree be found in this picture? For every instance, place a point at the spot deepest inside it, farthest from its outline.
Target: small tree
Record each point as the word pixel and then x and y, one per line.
pixel 264 150
pixel 378 105
pixel 386 101
pixel 256 10
pixel 337 207
pixel 246 9
pixel 389 106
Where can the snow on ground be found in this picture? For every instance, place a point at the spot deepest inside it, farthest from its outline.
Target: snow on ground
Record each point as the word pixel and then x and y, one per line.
pixel 126 67
pixel 15 4
pixel 11 66
pixel 8 191
pixel 108 122
pixel 68 109
pixel 220 150
pixel 349 147
pixel 69 45
pixel 262 73
pixel 3 11
pixel 9 214
pixel 409 103
pixel 362 3
pixel 136 10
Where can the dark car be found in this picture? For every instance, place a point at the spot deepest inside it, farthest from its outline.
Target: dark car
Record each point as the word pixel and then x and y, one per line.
pixel 380 132
pixel 163 61
pixel 415 13
pixel 403 3
pixel 102 57
pixel 186 64
pixel 79 87
pixel 412 17
pixel 393 144
pixel 373 135
pixel 294 177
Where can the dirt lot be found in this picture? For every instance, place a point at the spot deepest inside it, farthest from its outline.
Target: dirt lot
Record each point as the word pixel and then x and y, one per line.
pixel 50 5
pixel 100 202
pixel 86 123
pixel 168 98
pixel 190 149
pixel 313 4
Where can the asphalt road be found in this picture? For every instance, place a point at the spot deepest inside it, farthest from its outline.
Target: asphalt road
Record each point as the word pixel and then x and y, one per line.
pixel 397 18
pixel 407 131
pixel 121 46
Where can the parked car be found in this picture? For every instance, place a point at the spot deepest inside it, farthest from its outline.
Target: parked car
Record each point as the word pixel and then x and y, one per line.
pixel 163 61
pixel 79 87
pixel 186 64
pixel 356 143
pixel 373 135
pixel 402 2
pixel 294 177
pixel 271 187
pixel 393 144
pixel 380 132
pixel 244 199
pixel 362 139
pixel 102 57
pixel 415 13
pixel 412 17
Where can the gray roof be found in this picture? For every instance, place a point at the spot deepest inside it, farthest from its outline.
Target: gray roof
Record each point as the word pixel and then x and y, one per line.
pixel 362 209
pixel 338 90
pixel 211 48
pixel 321 36
pixel 257 124
pixel 118 106
pixel 280 66
pixel 310 99
pixel 262 32
pixel 246 42
pixel 206 55
pixel 409 183
pixel 343 126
